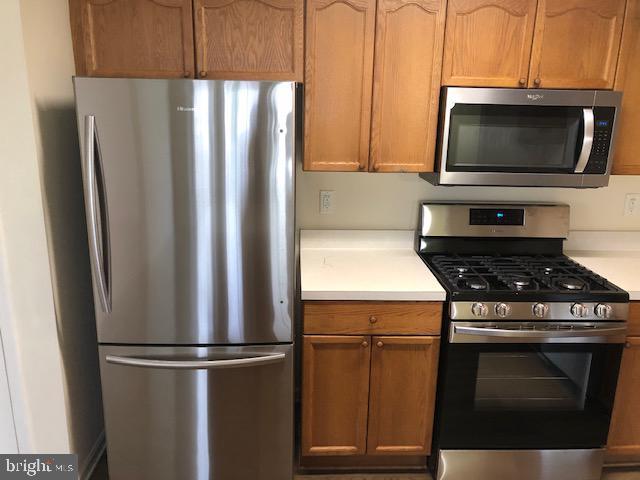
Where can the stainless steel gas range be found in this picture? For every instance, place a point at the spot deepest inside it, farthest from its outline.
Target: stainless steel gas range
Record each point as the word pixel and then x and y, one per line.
pixel 531 349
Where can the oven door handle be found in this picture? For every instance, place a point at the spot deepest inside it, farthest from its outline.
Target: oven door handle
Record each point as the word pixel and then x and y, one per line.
pixel 469 334
pixel 587 140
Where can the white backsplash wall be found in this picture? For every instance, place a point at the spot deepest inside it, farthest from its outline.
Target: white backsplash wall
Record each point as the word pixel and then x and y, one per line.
pixel 390 200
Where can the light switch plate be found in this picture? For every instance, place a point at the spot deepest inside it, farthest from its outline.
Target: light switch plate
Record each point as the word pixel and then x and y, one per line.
pixel 327 202
pixel 632 204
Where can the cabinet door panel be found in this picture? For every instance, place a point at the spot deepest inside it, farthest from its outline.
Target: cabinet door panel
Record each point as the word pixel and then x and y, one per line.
pixel 402 398
pixel 576 43
pixel 488 42
pixel 626 158
pixel 338 71
pixel 406 84
pixel 250 39
pixel 132 38
pixel 624 434
pixel 335 392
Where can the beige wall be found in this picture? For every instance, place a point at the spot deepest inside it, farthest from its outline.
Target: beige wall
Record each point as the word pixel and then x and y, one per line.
pixel 390 201
pixel 27 319
pixel 49 58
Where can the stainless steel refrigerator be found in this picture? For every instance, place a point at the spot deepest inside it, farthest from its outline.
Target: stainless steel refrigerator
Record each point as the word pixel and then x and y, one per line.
pixel 189 188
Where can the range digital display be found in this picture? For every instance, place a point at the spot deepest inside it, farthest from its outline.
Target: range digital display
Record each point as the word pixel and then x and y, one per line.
pixel 496 216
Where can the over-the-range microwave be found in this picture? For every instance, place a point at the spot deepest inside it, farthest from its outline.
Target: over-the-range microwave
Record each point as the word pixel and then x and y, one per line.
pixel 517 137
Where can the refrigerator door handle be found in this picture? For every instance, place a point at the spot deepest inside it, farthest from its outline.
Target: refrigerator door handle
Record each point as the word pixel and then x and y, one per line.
pixel 96 211
pixel 196 364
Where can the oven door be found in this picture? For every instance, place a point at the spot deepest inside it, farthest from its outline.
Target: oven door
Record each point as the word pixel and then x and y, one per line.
pixel 507 388
pixel 511 137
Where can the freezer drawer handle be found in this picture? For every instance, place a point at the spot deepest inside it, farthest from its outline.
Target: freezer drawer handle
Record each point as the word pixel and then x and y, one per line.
pixel 195 364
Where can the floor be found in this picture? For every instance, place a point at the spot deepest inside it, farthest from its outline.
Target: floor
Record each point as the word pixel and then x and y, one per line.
pixel 611 474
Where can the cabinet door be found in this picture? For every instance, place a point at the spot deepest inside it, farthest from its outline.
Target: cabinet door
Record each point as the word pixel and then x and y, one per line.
pixel 402 398
pixel 626 158
pixel 338 70
pixel 406 84
pixel 624 433
pixel 488 42
pixel 576 43
pixel 335 393
pixel 132 38
pixel 250 39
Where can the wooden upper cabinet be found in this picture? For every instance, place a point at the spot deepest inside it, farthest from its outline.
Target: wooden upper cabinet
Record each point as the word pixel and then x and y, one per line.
pixel 624 433
pixel 335 394
pixel 406 84
pixel 402 395
pixel 488 42
pixel 250 39
pixel 338 71
pixel 626 158
pixel 133 38
pixel 576 43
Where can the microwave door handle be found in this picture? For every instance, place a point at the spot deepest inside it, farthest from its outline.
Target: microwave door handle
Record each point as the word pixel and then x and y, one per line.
pixel 587 140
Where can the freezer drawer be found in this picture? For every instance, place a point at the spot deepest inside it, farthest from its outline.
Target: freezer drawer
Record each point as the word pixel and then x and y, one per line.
pixel 198 413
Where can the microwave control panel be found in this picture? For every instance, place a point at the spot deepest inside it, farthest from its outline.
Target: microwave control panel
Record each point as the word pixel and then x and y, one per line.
pixel 603 126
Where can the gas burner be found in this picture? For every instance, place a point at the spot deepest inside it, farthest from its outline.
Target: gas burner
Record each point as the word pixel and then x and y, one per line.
pixel 476 283
pixel 520 282
pixel 572 283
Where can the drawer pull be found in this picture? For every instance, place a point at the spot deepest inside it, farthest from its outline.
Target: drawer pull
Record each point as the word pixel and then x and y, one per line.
pixel 380 344
pixel 372 319
pixel 365 344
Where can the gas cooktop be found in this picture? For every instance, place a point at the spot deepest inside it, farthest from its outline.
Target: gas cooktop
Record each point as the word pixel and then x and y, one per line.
pixel 518 277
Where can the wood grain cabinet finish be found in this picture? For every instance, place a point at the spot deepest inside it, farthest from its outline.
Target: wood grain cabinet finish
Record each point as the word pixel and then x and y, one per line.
pixel 488 42
pixel 406 84
pixel 133 38
pixel 624 433
pixel 576 43
pixel 335 394
pixel 338 79
pixel 402 395
pixel 372 318
pixel 249 39
pixel 626 158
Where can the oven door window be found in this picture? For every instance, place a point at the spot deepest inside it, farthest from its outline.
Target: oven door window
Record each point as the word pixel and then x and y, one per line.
pixel 514 138
pixel 527 395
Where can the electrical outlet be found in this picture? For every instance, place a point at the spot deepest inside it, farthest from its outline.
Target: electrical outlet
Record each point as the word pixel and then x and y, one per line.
pixel 632 204
pixel 327 202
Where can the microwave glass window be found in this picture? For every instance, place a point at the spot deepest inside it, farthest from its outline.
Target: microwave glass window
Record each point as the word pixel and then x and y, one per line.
pixel 514 138
pixel 535 381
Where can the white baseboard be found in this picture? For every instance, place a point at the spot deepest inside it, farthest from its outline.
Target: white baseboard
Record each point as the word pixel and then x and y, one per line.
pixel 94 457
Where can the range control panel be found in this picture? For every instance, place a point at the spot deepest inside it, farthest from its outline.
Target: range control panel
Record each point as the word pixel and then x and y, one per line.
pixel 603 126
pixel 496 216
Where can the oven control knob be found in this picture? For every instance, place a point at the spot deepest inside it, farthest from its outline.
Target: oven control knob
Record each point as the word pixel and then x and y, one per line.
pixel 540 310
pixel 503 309
pixel 479 309
pixel 579 310
pixel 603 310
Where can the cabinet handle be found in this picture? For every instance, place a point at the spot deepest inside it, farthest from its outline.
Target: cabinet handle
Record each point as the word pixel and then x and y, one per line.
pixel 379 344
pixel 627 345
pixel 203 73
pixel 522 82
pixel 186 74
pixel 360 166
pixel 372 319
pixel 375 167
pixel 365 344
pixel 537 82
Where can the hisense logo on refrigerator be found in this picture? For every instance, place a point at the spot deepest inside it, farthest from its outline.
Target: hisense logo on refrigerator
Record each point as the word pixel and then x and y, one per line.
pixel 50 467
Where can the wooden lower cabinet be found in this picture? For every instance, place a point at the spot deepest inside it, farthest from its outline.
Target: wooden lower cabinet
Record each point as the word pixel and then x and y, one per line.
pixel 402 395
pixel 624 434
pixel 335 394
pixel 368 395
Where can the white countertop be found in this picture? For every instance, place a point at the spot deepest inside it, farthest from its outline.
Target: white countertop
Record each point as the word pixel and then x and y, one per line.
pixel 613 255
pixel 364 265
